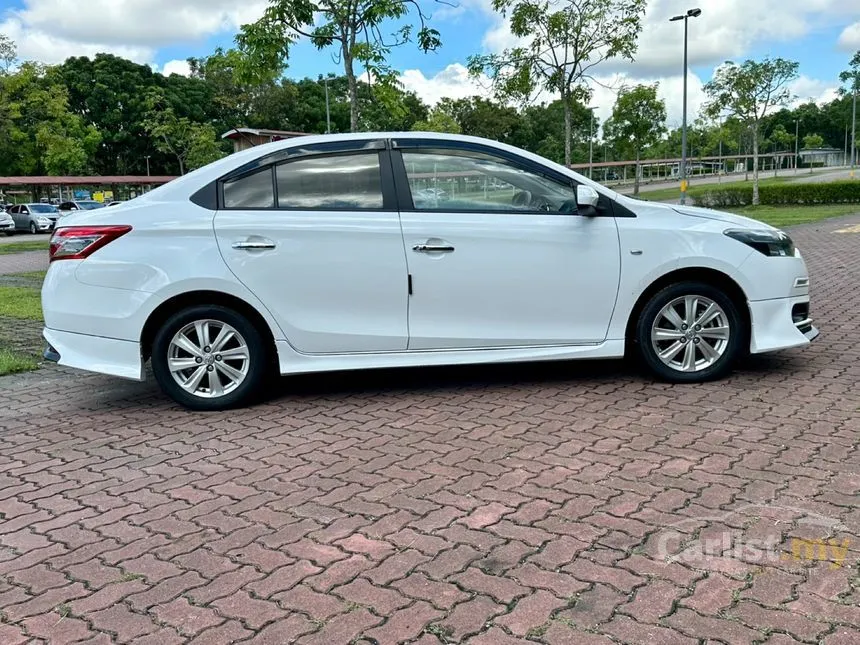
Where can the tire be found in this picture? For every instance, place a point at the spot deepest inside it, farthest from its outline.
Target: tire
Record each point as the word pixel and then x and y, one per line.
pixel 33 229
pixel 247 342
pixel 713 354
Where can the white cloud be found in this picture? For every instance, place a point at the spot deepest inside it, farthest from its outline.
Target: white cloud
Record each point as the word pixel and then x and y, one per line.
pixel 453 82
pixel 53 30
pixel 806 89
pixel 849 39
pixel 180 67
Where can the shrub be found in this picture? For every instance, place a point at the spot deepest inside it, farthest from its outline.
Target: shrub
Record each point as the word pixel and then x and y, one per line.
pixel 834 192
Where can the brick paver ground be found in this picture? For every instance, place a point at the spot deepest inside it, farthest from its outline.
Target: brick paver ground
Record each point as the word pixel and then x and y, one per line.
pixel 559 503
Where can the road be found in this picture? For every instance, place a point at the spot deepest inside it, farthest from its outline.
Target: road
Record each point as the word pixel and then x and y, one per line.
pixel 24 237
pixel 554 503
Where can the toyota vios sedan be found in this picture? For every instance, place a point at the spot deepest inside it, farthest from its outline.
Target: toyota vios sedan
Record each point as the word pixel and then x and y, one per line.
pixel 337 252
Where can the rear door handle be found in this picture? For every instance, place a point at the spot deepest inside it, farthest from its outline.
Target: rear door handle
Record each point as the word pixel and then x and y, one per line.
pixel 254 246
pixel 433 248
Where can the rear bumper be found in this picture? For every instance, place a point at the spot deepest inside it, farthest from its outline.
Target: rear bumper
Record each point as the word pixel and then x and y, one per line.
pixel 776 325
pixel 95 354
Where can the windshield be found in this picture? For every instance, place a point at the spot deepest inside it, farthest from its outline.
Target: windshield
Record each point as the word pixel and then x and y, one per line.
pixel 42 208
pixel 89 206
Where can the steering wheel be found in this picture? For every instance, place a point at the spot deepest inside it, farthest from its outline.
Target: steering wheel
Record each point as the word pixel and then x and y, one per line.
pixel 522 199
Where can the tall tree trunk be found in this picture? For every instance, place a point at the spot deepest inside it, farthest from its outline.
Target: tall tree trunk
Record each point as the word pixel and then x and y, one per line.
pixel 755 164
pixel 352 88
pixel 568 117
pixel 181 166
pixel 636 179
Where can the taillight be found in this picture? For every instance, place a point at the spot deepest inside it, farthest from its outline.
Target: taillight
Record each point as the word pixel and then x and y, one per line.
pixel 79 242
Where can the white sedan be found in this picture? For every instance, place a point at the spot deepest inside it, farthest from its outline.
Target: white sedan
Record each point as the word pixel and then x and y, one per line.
pixel 310 254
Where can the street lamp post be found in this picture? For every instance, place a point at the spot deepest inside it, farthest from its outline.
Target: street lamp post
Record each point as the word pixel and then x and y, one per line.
pixel 147 165
pixel 796 142
pixel 692 13
pixel 854 128
pixel 591 142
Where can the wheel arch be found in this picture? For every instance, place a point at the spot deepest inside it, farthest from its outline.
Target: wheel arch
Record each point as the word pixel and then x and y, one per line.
pixel 204 297
pixel 706 275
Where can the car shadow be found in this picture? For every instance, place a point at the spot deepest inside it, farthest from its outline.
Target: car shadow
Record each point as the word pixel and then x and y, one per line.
pixel 450 378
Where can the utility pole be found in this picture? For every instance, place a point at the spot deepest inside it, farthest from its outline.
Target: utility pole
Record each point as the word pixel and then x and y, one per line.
pixel 691 13
pixel 324 79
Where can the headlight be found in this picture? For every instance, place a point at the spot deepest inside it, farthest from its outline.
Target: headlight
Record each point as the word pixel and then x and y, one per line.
pixel 770 243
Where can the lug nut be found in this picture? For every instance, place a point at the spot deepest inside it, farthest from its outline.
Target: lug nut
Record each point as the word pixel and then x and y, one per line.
pixel 698 327
pixel 683 326
pixel 198 360
pixel 218 357
pixel 696 340
pixel 210 368
pixel 207 349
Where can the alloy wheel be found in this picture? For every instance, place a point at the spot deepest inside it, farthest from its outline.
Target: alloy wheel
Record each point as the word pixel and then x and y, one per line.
pixel 208 358
pixel 690 333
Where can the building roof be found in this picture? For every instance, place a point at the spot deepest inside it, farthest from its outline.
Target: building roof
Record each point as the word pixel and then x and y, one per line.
pixel 236 133
pixel 100 180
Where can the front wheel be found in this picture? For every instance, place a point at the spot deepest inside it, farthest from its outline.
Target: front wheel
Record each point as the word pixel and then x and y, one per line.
pixel 209 358
pixel 690 332
pixel 33 229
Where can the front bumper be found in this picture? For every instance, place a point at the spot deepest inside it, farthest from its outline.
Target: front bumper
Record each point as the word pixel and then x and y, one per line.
pixel 780 323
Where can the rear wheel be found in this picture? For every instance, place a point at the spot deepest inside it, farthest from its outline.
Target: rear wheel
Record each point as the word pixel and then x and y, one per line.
pixel 209 358
pixel 690 332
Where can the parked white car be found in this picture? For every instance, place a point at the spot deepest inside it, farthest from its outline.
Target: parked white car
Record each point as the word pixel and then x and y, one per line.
pixel 309 254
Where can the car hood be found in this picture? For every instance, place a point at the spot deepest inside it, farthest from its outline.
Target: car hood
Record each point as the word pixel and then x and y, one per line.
pixel 729 218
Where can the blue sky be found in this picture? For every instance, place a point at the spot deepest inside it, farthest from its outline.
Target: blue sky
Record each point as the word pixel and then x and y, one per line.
pixel 820 34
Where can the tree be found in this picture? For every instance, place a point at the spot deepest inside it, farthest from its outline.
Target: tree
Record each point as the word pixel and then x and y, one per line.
pixel 851 77
pixel 353 26
pixel 749 91
pixel 192 144
pixel 38 133
pixel 481 117
pixel 812 141
pixel 783 141
pixel 638 120
pixel 438 121
pixel 563 41
pixel 8 53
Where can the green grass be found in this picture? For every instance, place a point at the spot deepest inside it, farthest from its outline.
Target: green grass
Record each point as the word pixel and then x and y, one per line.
pixel 782 216
pixel 22 303
pixel 12 363
pixel 34 275
pixel 20 247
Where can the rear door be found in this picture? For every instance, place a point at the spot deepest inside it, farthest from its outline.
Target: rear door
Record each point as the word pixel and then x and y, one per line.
pixel 315 235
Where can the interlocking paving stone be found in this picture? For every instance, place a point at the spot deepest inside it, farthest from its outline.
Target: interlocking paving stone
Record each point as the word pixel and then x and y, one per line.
pixel 547 502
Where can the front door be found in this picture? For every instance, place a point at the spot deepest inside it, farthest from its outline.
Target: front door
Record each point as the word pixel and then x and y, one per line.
pixel 498 255
pixel 315 240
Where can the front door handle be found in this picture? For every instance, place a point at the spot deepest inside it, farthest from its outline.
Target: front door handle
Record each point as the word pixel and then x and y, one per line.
pixel 433 248
pixel 254 246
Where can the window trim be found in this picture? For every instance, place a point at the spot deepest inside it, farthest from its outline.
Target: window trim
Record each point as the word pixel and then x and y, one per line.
pixel 431 146
pixel 386 181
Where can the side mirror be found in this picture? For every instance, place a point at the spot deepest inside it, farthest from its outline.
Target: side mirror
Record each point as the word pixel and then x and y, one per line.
pixel 586 196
